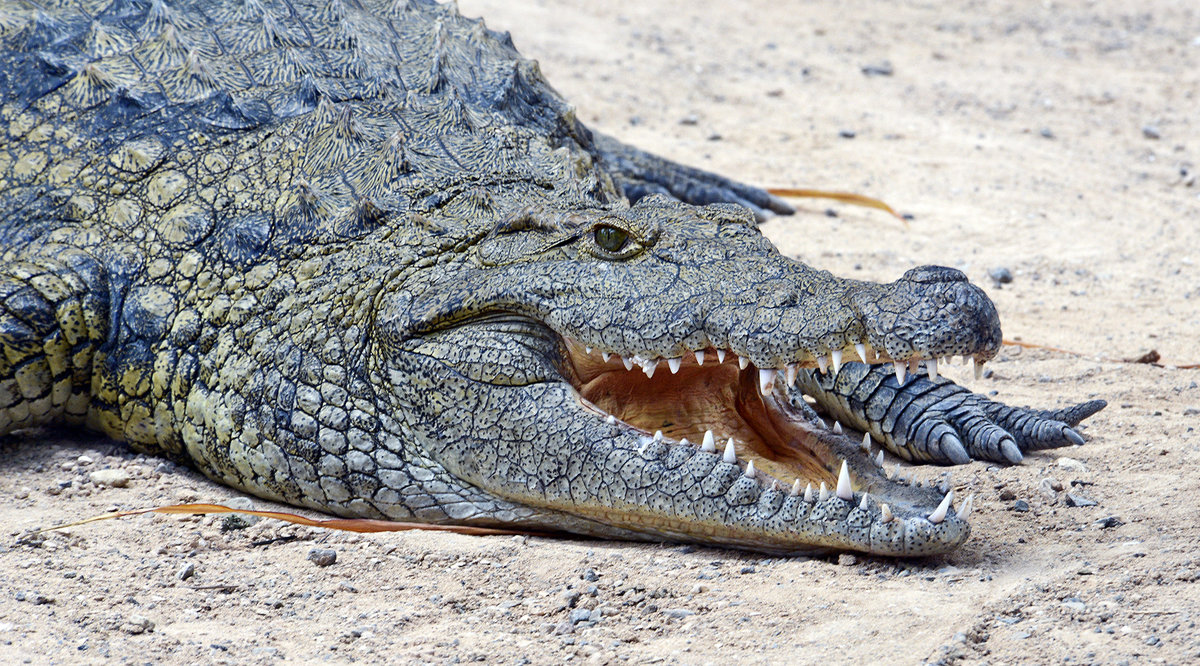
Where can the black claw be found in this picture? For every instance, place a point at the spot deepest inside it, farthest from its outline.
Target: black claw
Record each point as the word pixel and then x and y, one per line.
pixel 1008 448
pixel 1076 438
pixel 953 449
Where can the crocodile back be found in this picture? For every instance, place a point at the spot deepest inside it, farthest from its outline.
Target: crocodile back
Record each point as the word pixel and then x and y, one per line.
pixel 246 126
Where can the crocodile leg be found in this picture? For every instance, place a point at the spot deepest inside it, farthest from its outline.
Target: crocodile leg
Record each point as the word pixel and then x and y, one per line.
pixel 936 420
pixel 639 174
pixel 51 322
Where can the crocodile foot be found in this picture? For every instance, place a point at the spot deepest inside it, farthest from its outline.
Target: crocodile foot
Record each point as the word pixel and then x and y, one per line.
pixel 640 174
pixel 928 418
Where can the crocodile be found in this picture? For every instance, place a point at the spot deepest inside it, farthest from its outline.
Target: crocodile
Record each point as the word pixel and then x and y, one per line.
pixel 361 257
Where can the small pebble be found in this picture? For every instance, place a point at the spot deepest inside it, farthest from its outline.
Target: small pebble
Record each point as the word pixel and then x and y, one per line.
pixel 186 495
pixel 1071 464
pixel 322 557
pixel 137 624
pixel 591 576
pixel 847 134
pixel 35 598
pixel 1020 506
pixel 689 119
pixel 847 560
pixel 186 571
pixel 678 613
pixel 1074 603
pixel 1079 500
pixel 1109 521
pixel 580 615
pixel 1151 132
pixel 883 68
pixel 238 521
pixel 747 570
pixel 1047 133
pixel 1007 495
pixel 1001 275
pixel 116 478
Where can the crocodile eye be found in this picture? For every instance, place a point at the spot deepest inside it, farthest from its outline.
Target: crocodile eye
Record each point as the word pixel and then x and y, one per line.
pixel 611 239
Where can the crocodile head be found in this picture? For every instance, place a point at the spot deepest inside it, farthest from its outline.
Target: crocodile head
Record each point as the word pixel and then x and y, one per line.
pixel 628 373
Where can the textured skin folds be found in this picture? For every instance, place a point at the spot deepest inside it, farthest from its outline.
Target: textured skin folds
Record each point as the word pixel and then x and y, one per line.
pixel 347 255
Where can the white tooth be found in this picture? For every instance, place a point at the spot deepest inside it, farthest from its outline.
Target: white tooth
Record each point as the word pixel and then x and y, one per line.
pixel 896 472
pixel 864 504
pixel 674 364
pixel 658 436
pixel 978 370
pixel 749 469
pixel 790 375
pixel 611 420
pixel 648 367
pixel 866 443
pixel 879 459
pixel 965 511
pixel 808 492
pixel 824 494
pixel 822 422
pixel 588 350
pixel 836 355
pixel 837 426
pixel 774 484
pixel 743 361
pixel 627 361
pixel 914 364
pixel 900 369
pixel 699 357
pixel 684 441
pixel 885 513
pixel 720 356
pixel 605 356
pixel 796 488
pixel 766 380
pixel 730 455
pixel 862 351
pixel 939 514
pixel 709 444
pixel 822 364
pixel 844 490
pixel 931 366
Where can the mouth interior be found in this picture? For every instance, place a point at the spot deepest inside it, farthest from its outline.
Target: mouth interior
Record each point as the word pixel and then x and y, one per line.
pixel 717 396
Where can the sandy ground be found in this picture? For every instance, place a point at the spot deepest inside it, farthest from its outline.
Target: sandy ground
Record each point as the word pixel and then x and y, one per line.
pixel 1058 140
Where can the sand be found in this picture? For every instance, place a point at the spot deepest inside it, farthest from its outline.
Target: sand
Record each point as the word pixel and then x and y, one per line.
pixel 1056 140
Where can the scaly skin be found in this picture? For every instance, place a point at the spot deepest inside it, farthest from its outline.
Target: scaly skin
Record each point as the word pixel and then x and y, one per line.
pixel 360 257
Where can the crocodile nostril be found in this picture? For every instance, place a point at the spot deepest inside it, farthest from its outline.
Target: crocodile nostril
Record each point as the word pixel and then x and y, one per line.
pixel 930 274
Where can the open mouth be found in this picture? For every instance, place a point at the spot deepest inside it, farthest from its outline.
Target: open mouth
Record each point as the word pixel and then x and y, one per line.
pixel 721 403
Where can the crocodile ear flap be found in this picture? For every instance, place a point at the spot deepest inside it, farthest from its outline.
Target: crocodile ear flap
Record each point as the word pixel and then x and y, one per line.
pixel 506 243
pixel 537 218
